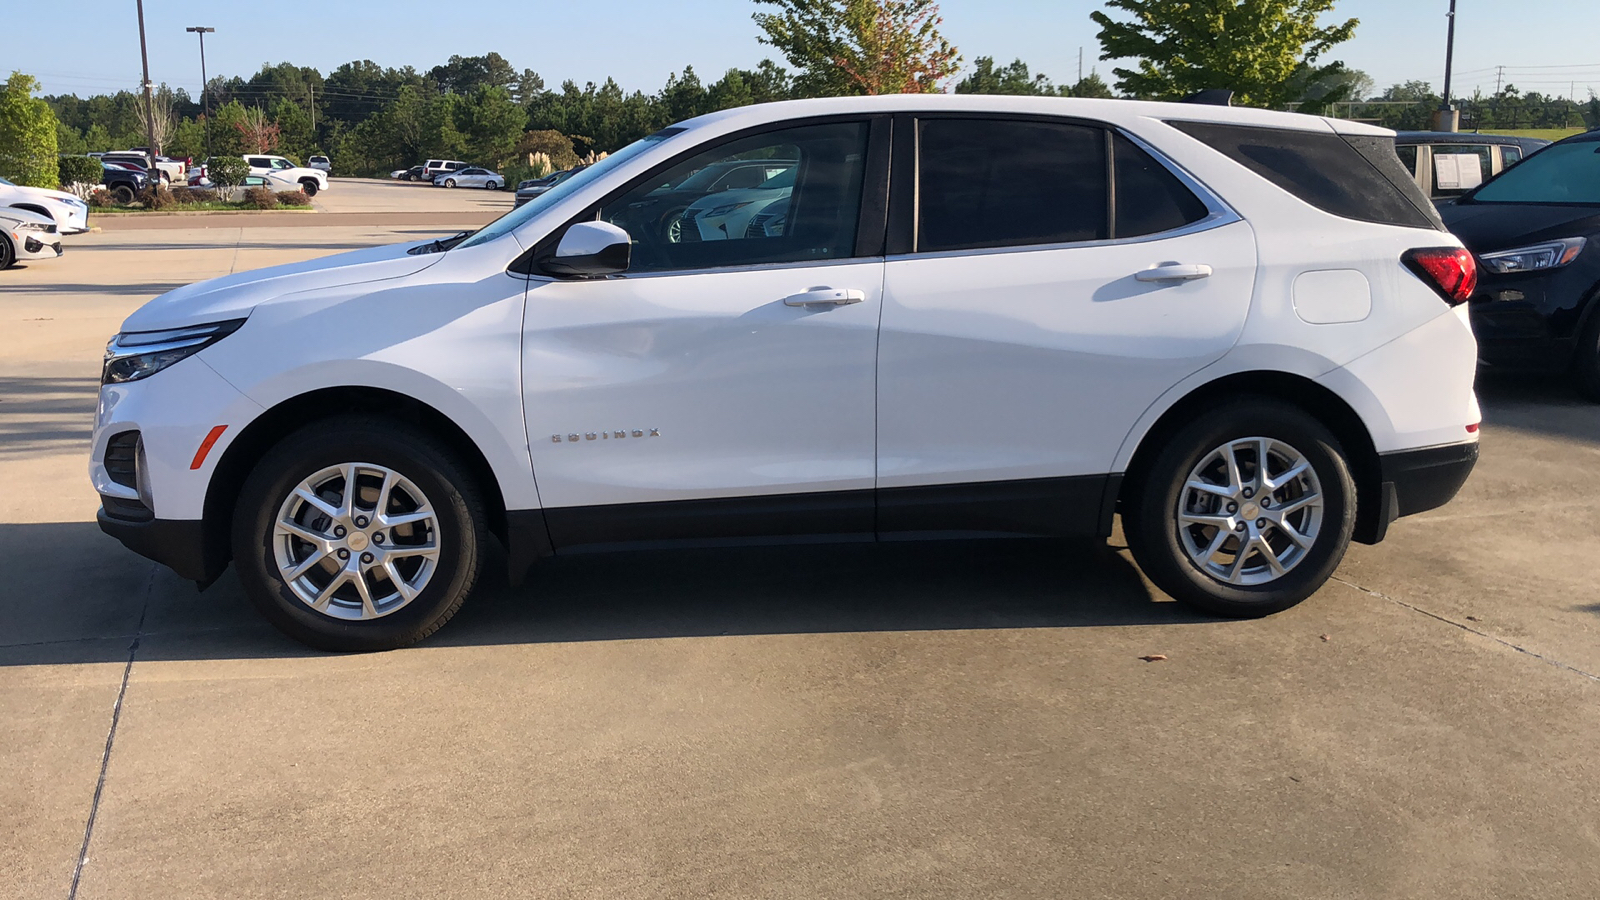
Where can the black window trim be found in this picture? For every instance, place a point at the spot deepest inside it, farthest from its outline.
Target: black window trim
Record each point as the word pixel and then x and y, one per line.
pixel 871 223
pixel 905 188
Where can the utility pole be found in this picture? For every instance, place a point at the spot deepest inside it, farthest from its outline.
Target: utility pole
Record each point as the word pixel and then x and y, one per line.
pixel 149 104
pixel 311 89
pixel 1499 76
pixel 1080 65
pixel 205 93
pixel 1447 118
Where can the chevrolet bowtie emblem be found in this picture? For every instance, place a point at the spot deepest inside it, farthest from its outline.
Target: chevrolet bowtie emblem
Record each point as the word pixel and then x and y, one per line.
pixel 605 435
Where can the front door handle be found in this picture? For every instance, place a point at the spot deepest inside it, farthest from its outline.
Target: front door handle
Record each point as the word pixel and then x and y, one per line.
pixel 1174 273
pixel 824 296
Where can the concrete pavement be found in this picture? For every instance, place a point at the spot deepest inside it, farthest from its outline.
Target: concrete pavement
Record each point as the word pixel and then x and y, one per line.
pixel 953 720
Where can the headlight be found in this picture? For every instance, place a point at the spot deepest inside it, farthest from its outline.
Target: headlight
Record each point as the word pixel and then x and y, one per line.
pixel 133 355
pixel 1550 255
pixel 31 226
pixel 725 209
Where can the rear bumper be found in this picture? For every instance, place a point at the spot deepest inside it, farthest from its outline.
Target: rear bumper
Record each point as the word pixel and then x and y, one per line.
pixel 1415 481
pixel 178 544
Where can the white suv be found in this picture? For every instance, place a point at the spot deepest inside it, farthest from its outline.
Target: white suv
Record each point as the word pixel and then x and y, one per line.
pixel 1240 329
pixel 310 180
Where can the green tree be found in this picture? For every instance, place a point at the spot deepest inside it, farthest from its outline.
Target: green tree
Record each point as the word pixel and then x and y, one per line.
pixel 1091 86
pixel 987 78
pixel 1252 47
pixel 849 47
pixel 489 122
pixel 27 134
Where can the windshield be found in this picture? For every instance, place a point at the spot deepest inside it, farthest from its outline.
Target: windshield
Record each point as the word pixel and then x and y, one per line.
pixel 1564 173
pixel 514 219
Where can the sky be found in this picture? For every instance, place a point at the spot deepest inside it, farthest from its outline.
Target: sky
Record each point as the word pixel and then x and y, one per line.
pixel 640 41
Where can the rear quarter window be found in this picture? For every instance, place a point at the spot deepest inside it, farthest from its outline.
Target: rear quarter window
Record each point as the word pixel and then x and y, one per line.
pixel 1352 176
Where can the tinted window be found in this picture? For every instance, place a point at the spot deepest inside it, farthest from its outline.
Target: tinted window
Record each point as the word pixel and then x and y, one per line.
pixel 1564 173
pixel 1353 176
pixel 811 217
pixel 996 183
pixel 1510 154
pixel 1408 157
pixel 1150 199
pixel 260 162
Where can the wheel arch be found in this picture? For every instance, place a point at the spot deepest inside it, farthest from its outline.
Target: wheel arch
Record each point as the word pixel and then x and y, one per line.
pixel 263 432
pixel 34 208
pixel 1321 402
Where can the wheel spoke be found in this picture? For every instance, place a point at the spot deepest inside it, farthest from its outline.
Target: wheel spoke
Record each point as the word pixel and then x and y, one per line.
pixel 1245 548
pixel 383 495
pixel 398 519
pixel 1263 478
pixel 304 533
pixel 405 551
pixel 1222 522
pixel 348 506
pixel 1272 559
pixel 1215 545
pixel 1206 487
pixel 1235 480
pixel 1289 475
pixel 1299 503
pixel 1293 534
pixel 368 610
pixel 407 592
pixel 323 599
pixel 317 503
pixel 306 564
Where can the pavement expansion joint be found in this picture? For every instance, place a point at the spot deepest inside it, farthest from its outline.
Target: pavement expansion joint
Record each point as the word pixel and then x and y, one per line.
pixel 111 737
pixel 1468 628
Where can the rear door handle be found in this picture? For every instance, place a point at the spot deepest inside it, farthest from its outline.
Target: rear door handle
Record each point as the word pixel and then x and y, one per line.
pixel 825 296
pixel 1174 273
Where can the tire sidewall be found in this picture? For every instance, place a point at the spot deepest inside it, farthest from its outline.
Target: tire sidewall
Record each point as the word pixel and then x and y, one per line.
pixel 8 253
pixel 413 456
pixel 1154 534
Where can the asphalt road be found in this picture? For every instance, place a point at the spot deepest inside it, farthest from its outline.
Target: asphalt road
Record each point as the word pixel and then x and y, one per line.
pixel 954 720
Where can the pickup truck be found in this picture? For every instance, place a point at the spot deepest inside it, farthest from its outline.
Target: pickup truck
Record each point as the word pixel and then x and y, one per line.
pixel 172 171
pixel 311 180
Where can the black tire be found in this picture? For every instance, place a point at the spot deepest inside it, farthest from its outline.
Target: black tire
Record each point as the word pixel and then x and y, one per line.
pixel 8 253
pixel 449 182
pixel 413 178
pixel 1150 509
pixel 122 194
pixel 1586 357
pixel 462 530
pixel 490 186
pixel 309 185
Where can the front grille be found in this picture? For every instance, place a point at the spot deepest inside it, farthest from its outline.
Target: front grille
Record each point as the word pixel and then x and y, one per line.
pixel 122 459
pixel 688 231
pixel 760 226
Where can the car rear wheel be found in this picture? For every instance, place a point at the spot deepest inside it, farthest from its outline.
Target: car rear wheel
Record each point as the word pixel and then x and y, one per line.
pixel 310 187
pixel 1245 511
pixel 8 253
pixel 489 185
pixel 413 178
pixel 359 534
pixel 1586 362
pixel 122 194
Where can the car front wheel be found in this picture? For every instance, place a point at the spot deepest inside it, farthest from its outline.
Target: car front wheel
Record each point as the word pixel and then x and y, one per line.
pixel 310 187
pixel 1245 511
pixel 449 182
pixel 8 253
pixel 122 194
pixel 1586 362
pixel 359 534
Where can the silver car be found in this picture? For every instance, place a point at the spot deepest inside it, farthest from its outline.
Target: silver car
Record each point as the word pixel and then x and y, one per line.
pixel 471 176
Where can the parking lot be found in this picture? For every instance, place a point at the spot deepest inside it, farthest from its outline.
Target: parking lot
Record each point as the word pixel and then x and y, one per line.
pixel 962 719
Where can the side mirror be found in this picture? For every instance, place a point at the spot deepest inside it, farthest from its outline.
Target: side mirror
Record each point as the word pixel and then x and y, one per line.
pixel 589 249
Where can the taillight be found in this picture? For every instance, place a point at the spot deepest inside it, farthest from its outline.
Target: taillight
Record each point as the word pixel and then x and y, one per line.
pixel 1449 270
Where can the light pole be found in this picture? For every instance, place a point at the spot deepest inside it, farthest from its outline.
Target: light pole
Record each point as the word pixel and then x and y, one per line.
pixel 149 103
pixel 1448 118
pixel 205 96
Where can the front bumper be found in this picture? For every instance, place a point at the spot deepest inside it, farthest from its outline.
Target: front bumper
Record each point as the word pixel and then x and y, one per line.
pixel 178 544
pixel 1531 321
pixel 1415 481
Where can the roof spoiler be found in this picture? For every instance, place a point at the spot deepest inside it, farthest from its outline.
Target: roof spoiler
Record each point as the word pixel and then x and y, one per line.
pixel 1210 97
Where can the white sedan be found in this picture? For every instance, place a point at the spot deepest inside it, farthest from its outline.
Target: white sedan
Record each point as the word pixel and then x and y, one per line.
pixel 70 214
pixel 26 235
pixel 472 176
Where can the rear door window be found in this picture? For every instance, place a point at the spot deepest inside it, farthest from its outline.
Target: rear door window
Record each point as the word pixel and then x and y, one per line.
pixel 1408 157
pixel 985 183
pixel 1150 199
pixel 1353 176
pixel 1510 155
pixel 1458 168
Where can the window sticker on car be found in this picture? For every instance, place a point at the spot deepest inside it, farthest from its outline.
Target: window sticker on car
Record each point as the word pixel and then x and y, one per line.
pixel 1456 171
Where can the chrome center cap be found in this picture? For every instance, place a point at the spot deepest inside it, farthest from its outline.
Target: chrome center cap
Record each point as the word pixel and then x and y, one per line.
pixel 357 541
pixel 1248 511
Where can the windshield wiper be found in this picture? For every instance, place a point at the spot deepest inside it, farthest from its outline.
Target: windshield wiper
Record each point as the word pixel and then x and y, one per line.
pixel 442 244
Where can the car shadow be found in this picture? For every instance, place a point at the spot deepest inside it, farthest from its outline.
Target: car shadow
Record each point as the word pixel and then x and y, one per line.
pixel 1538 404
pixel 93 610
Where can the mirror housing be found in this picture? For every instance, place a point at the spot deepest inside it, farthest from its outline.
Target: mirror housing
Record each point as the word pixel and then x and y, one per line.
pixel 590 249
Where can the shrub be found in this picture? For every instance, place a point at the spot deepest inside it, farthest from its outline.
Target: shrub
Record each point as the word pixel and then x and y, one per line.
pixel 261 198
pixel 293 198
pixel 79 174
pixel 99 197
pixel 227 171
pixel 158 196
pixel 188 196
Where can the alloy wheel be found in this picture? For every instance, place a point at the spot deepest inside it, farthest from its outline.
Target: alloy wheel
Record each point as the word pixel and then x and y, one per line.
pixel 356 541
pixel 1250 511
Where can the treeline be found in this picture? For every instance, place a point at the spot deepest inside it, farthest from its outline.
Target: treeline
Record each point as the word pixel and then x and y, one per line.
pixel 1410 107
